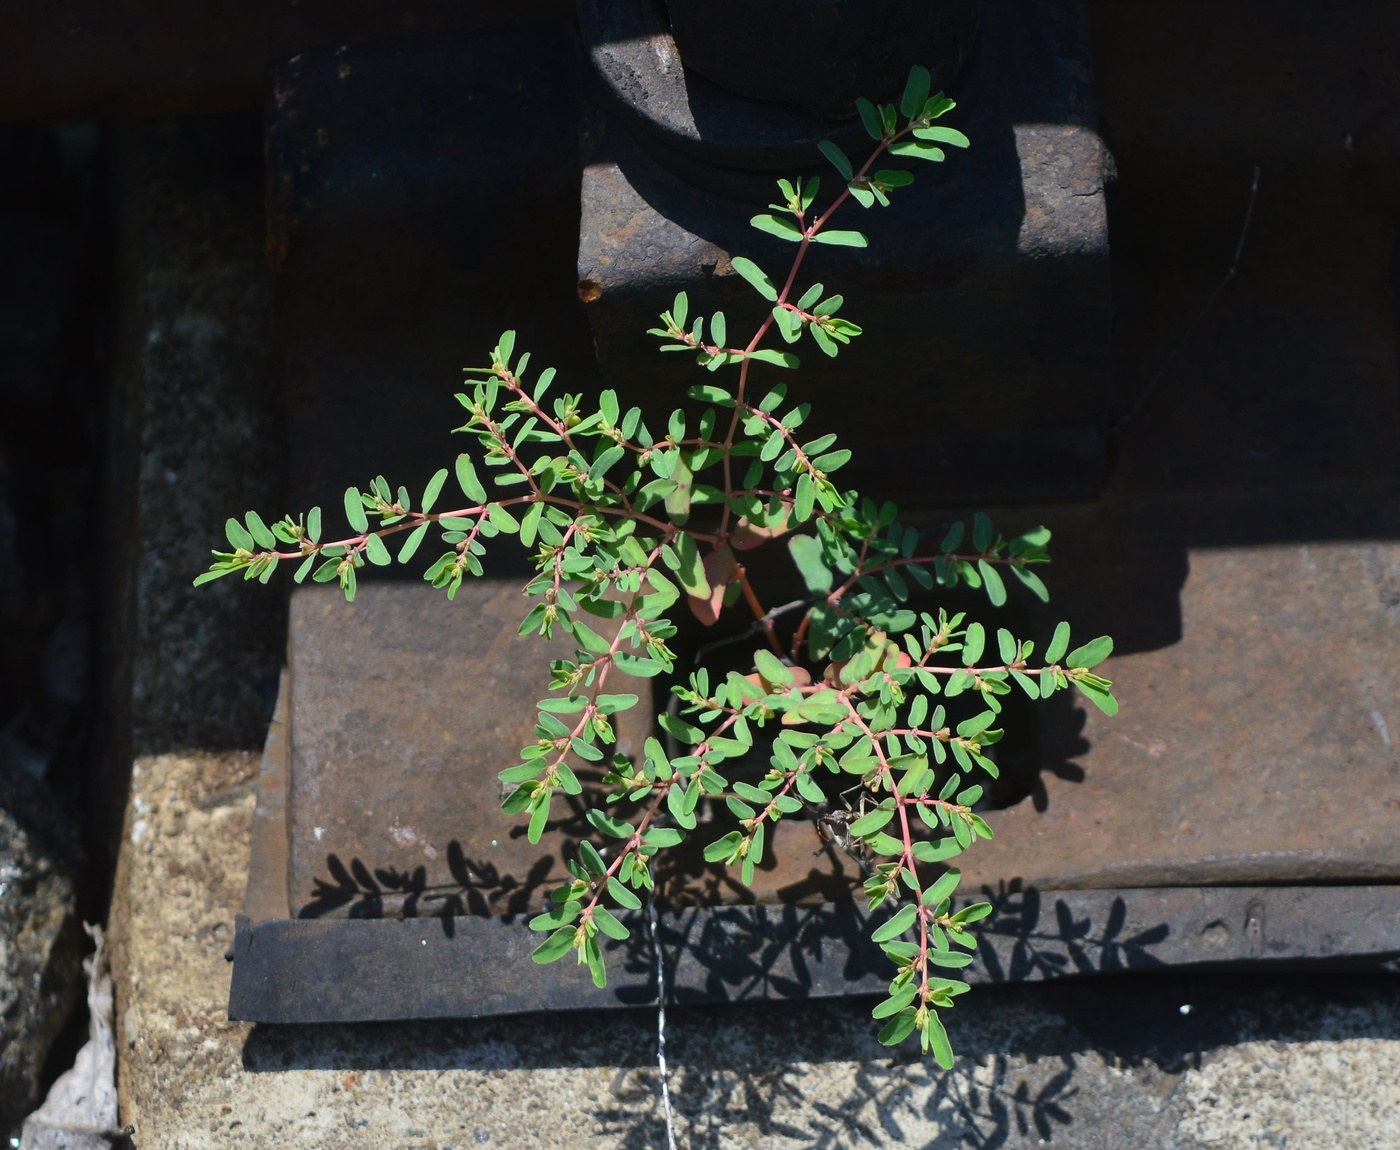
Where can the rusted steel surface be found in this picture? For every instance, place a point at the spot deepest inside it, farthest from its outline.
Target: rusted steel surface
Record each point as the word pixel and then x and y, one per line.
pixel 1258 747
pixel 267 893
pixel 403 710
pixel 379 970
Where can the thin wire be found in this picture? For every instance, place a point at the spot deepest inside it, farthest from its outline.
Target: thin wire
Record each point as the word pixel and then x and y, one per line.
pixel 755 628
pixel 1210 303
pixel 661 1020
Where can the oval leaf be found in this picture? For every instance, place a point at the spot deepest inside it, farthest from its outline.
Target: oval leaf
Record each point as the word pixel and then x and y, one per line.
pixel 1091 654
pixel 896 926
pixel 756 277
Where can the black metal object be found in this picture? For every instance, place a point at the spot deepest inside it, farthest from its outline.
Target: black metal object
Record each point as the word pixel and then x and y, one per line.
pixel 473 966
pixel 984 294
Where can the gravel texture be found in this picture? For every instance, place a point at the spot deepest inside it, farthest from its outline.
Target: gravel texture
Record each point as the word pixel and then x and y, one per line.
pixel 1178 1061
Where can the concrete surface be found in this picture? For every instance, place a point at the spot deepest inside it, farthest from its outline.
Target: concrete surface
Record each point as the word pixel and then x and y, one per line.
pixel 1307 1063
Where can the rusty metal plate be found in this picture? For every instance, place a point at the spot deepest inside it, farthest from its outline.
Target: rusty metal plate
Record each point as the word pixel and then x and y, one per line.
pixel 1261 746
pixel 404 708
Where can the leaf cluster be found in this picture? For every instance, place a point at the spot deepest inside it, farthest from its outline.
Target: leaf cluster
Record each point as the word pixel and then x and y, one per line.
pixel 868 714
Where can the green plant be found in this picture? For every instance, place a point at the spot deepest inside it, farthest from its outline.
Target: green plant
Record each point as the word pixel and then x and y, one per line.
pixel 868 696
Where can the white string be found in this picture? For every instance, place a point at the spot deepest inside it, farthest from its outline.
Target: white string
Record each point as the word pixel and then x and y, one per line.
pixel 661 1020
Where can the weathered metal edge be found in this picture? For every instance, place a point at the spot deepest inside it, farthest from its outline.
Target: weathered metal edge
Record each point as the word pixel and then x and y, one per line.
pixel 362 970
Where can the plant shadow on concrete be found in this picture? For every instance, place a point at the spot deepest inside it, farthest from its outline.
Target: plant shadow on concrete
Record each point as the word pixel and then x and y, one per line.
pixel 1073 1063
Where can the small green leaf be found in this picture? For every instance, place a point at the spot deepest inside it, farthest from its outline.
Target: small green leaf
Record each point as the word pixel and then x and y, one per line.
pixel 777 226
pixel 869 824
pixel 638 665
pixel 991 580
pixel 622 894
pixel 839 238
pixel 871 118
pixel 943 888
pixel 434 488
pixel 982 532
pixel 690 569
pixel 355 510
pixel 772 669
pixel 1006 645
pixel 898 1028
pixel 538 817
pixel 504 347
pixel 1033 582
pixel 613 827
pixel 592 860
pixel 776 357
pixel 265 538
pixel 530 524
pixel 756 277
pixel 1090 655
pixel 896 1002
pixel 609 456
pixel 609 924
pixel 376 552
pixel 804 499
pixel 238 537
pixel 678 499
pixel 918 149
pixel 935 1038
pixel 594 957
pixel 467 480
pixel 940 851
pixel 1098 695
pixel 893 178
pixel 973 913
pixel 902 921
pixel 711 393
pixel 940 135
pixel 556 946
pixel 839 160
pixel 723 848
pixel 974 643
pixel 915 92
pixel 1058 644
pixel 807 553
pixel 502 519
pixel 1027 684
